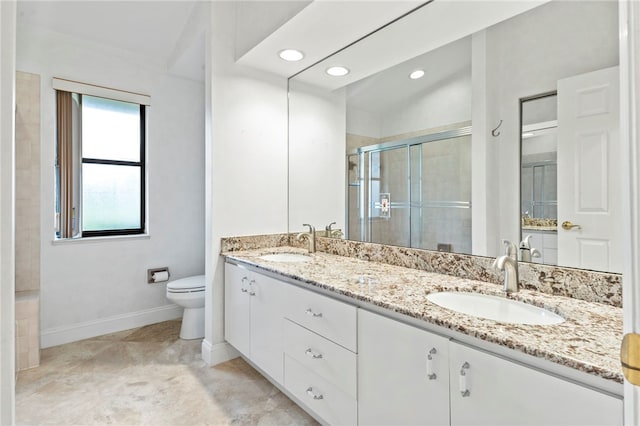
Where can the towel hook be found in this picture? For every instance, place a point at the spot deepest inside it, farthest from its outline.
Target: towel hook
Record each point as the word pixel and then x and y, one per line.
pixel 495 133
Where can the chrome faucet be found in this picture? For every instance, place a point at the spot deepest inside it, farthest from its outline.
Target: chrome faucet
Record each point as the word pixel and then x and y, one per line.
pixel 310 236
pixel 328 231
pixel 509 264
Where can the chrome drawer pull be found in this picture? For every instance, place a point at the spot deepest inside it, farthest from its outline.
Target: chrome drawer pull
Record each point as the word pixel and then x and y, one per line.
pixel 244 290
pixel 312 394
pixel 312 354
pixel 463 380
pixel 430 374
pixel 251 283
pixel 313 314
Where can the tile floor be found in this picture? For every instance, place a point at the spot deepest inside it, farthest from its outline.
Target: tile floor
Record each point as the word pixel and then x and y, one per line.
pixel 147 376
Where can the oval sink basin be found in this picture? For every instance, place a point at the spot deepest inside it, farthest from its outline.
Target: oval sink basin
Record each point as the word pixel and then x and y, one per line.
pixel 495 308
pixel 286 257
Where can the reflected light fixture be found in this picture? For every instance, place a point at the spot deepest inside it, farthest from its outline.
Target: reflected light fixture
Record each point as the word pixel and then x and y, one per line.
pixel 416 74
pixel 291 55
pixel 528 135
pixel 337 71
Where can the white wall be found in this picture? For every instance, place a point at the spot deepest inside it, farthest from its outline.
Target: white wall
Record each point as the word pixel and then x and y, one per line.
pixel 447 103
pixel 91 288
pixel 7 223
pixel 317 124
pixel 526 56
pixel 246 156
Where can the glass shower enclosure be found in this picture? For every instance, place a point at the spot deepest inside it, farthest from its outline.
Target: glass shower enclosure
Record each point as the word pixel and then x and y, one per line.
pixel 413 192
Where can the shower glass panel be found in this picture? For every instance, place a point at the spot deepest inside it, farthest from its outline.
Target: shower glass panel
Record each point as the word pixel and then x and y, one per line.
pixel 355 213
pixel 389 197
pixel 441 194
pixel 413 193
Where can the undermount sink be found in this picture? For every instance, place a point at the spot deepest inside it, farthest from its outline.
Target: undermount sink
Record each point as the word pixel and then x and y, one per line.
pixel 286 257
pixel 495 308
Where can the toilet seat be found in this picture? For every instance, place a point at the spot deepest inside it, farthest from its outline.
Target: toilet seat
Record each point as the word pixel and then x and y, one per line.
pixel 186 285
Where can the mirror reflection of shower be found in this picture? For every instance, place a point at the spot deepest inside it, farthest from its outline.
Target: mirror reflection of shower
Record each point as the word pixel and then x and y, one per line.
pixel 539 174
pixel 413 192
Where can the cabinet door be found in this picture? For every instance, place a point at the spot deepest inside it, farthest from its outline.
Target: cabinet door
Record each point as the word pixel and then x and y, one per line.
pixel 267 325
pixel 403 374
pixel 488 390
pixel 236 307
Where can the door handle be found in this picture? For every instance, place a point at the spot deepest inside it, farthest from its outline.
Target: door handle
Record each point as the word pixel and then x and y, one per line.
pixel 630 358
pixel 568 226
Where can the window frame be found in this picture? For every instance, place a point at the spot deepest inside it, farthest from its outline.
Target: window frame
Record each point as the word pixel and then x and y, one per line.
pixel 143 167
pixel 83 89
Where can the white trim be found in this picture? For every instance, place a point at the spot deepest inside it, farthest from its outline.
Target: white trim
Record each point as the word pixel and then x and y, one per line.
pixel 629 20
pixel 71 333
pixel 100 91
pixel 7 207
pixel 218 353
pixel 80 240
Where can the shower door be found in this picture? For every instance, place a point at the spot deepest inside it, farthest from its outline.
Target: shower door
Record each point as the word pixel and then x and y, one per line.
pixel 388 197
pixel 412 193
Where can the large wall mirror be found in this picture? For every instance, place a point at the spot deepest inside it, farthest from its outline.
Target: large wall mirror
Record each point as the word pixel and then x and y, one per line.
pixel 452 133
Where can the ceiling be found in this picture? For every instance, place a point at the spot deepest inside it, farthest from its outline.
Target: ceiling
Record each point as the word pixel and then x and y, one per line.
pixel 170 32
pixel 384 91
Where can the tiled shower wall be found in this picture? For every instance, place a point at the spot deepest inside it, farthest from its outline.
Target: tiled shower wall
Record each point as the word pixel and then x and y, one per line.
pixel 27 220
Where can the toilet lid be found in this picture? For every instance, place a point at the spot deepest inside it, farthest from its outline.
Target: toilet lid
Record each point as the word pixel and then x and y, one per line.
pixel 194 283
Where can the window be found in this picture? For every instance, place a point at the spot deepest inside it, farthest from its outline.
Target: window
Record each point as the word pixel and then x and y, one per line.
pixel 100 167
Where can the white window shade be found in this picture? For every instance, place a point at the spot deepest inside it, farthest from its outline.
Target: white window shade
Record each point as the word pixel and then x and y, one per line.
pixel 100 91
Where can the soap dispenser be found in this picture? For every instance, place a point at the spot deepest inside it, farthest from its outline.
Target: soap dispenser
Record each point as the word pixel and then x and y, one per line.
pixel 526 252
pixel 525 249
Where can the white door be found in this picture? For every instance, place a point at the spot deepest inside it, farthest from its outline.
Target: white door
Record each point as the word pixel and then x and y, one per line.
pixel 237 305
pixel 267 325
pixel 589 173
pixel 402 373
pixel 489 390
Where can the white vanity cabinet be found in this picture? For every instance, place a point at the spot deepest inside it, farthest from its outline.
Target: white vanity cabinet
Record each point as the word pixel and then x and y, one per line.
pixel 320 360
pixel 403 373
pixel 347 365
pixel 489 390
pixel 253 318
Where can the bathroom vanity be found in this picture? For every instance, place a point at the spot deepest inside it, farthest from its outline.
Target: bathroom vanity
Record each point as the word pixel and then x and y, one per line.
pixel 357 342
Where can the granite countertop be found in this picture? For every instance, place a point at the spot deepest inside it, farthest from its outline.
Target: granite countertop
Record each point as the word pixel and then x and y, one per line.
pixel 540 228
pixel 588 341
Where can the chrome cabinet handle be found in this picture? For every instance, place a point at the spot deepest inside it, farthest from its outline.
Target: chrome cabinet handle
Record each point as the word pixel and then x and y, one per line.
pixel 463 380
pixel 244 290
pixel 430 374
pixel 313 394
pixel 251 292
pixel 313 354
pixel 244 279
pixel 313 314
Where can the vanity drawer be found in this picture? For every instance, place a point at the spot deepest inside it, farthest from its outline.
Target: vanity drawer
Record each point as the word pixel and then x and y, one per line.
pixel 332 405
pixel 333 362
pixel 329 318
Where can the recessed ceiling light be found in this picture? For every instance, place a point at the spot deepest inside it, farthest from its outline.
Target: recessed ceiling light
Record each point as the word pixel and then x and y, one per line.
pixel 416 74
pixel 338 71
pixel 291 55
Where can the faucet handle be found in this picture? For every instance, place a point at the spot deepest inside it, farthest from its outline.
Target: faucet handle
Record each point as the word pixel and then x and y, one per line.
pixel 510 249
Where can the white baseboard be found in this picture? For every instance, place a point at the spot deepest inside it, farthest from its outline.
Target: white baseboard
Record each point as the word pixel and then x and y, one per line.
pixel 71 333
pixel 218 353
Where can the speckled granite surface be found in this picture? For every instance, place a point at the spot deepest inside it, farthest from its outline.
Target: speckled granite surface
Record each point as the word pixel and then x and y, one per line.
pixel 591 286
pixel 588 340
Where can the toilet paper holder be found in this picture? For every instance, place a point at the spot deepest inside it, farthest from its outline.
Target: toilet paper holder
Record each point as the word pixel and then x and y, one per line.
pixel 158 275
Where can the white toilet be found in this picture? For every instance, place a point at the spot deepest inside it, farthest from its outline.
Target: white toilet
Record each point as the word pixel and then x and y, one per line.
pixel 189 293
